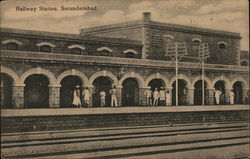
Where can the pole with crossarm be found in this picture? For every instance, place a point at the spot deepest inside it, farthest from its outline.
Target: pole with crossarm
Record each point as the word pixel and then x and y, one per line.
pixel 176 50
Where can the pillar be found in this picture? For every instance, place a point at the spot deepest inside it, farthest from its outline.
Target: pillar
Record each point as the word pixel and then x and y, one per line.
pixel 190 96
pixel 18 96
pixel 91 95
pixel 227 95
pixel 54 96
pixel 2 93
pixel 170 92
pixel 119 95
pixel 142 97
pixel 210 97
pixel 245 94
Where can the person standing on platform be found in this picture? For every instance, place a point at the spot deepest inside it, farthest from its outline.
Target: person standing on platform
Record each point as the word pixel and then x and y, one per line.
pixel 148 94
pixel 217 95
pixel 156 97
pixel 86 96
pixel 113 97
pixel 231 95
pixel 168 98
pixel 162 96
pixel 102 98
pixel 76 97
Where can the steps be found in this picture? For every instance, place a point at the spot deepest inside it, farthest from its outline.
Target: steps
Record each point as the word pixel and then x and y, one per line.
pixel 127 142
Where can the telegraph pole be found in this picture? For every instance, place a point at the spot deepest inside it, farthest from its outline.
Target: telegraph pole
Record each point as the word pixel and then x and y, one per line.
pixel 176 75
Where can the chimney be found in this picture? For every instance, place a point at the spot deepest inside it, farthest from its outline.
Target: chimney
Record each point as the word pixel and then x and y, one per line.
pixel 146 16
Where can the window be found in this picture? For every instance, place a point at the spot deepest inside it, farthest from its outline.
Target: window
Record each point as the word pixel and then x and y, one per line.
pixel 76 51
pixel 11 46
pixel 222 46
pixel 105 53
pixel 45 48
pixel 244 63
pixel 130 55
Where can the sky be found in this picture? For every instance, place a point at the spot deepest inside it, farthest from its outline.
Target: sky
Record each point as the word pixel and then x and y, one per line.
pixel 227 15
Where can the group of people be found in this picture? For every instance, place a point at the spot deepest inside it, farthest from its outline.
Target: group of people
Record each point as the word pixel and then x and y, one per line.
pixel 218 93
pixel 157 98
pixel 86 97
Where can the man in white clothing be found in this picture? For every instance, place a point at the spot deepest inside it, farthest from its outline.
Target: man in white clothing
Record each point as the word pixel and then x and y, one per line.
pixel 148 94
pixel 168 99
pixel 231 95
pixel 102 98
pixel 156 97
pixel 76 97
pixel 162 96
pixel 86 96
pixel 113 97
pixel 217 95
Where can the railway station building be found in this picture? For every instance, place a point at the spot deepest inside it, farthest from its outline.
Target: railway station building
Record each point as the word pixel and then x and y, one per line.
pixel 41 69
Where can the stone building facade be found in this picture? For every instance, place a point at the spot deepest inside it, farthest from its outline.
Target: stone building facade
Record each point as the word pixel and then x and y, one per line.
pixel 41 69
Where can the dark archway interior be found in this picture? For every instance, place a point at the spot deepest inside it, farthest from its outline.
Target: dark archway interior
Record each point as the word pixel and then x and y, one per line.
pixel 238 93
pixel 6 91
pixel 182 91
pixel 198 92
pixel 220 85
pixel 68 85
pixel 156 83
pixel 130 92
pixel 101 84
pixel 36 91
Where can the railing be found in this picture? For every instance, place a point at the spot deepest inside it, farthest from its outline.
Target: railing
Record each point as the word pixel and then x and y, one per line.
pixel 25 55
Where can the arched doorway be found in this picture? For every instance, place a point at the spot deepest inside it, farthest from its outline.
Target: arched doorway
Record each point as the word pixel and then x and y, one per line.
pixel 101 84
pixel 182 92
pixel 220 85
pixel 6 91
pixel 130 92
pixel 36 91
pixel 238 93
pixel 68 85
pixel 156 83
pixel 198 92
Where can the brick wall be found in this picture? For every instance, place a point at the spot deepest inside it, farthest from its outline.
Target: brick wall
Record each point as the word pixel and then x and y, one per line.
pixel 62 122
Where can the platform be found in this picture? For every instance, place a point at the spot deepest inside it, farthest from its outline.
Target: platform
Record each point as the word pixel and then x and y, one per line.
pixel 117 110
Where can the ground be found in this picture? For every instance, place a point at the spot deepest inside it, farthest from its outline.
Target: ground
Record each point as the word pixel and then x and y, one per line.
pixel 189 141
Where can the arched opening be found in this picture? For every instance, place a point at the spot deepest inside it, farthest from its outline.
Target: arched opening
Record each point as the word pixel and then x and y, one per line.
pixel 6 91
pixel 198 92
pixel 182 92
pixel 244 63
pixel 238 93
pixel 130 55
pixel 101 84
pixel 68 85
pixel 11 46
pixel 76 51
pixel 45 48
pixel 156 83
pixel 220 85
pixel 36 91
pixel 222 46
pixel 130 92
pixel 105 53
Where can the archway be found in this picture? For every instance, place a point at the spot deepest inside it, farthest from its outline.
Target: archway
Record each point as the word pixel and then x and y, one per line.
pixel 6 91
pixel 36 91
pixel 130 92
pixel 68 85
pixel 198 92
pixel 238 92
pixel 182 92
pixel 101 84
pixel 220 85
pixel 156 83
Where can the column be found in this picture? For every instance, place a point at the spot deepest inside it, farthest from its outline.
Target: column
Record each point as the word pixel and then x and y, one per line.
pixel 18 96
pixel 2 93
pixel 54 96
pixel 91 95
pixel 142 97
pixel 190 96
pixel 227 95
pixel 170 92
pixel 119 95
pixel 210 96
pixel 245 97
